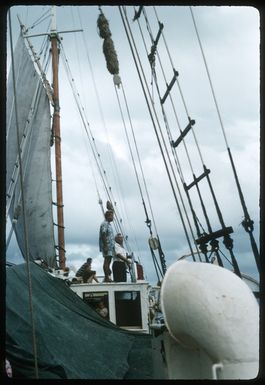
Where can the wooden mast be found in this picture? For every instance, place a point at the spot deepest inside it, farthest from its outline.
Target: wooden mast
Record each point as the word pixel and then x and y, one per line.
pixel 57 137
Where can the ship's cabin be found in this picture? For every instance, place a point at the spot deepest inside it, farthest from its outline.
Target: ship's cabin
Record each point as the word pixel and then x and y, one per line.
pixel 127 303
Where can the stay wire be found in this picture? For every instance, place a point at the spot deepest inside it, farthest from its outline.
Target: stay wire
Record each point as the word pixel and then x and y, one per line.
pixel 121 190
pixel 95 152
pixel 247 222
pixel 140 163
pixel 82 84
pixel 134 165
pixel 184 105
pixel 128 142
pixel 174 154
pixel 152 118
pixel 86 125
pixel 173 106
pixel 156 132
pixel 148 222
pixel 226 242
pixel 110 153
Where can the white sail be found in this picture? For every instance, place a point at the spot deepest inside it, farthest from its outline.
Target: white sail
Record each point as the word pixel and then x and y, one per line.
pixel 31 116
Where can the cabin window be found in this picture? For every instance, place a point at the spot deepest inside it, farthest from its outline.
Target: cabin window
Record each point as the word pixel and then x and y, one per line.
pixel 128 308
pixel 96 300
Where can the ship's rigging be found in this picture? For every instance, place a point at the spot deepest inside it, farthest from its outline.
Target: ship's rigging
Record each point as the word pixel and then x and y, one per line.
pixel 157 95
pixel 168 146
pixel 204 236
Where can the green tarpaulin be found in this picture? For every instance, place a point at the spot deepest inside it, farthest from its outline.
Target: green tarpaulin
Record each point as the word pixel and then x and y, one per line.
pixel 72 340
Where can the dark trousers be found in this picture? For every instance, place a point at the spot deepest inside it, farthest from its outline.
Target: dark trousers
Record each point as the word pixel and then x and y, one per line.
pixel 119 271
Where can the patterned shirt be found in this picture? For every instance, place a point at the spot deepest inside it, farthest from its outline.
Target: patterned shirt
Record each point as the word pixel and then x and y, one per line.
pixel 107 232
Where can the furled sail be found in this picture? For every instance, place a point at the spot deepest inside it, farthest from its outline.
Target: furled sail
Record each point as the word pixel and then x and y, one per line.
pixel 30 115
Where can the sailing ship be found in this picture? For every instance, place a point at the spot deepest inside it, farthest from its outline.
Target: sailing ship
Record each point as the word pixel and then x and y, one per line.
pixel 201 318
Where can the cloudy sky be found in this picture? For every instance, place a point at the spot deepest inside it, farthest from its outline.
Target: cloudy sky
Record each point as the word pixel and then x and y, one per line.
pixel 230 40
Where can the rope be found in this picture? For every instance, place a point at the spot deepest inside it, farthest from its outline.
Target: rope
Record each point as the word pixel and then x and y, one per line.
pixel 203 247
pixel 177 163
pixel 105 33
pixel 112 160
pixel 117 219
pixel 34 345
pixel 148 221
pixel 172 104
pixel 91 165
pixel 40 19
pixel 138 158
pixel 139 161
pixel 156 266
pixel 150 109
pixel 172 170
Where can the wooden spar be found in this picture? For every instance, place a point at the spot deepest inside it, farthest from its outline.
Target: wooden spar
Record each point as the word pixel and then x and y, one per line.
pixel 57 136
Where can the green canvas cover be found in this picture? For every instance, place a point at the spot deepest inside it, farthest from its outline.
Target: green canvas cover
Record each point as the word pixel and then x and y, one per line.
pixel 73 341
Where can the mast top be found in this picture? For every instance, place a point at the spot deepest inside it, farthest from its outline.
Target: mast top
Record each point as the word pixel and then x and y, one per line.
pixel 53 19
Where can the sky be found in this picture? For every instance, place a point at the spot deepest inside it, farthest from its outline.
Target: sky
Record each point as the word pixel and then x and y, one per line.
pixel 230 40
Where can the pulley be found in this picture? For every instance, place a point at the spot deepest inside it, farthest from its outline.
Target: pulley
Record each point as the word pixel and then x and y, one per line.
pixel 153 243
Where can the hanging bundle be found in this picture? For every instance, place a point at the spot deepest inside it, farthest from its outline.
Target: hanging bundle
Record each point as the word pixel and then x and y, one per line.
pixel 103 26
pixel 108 48
pixel 110 56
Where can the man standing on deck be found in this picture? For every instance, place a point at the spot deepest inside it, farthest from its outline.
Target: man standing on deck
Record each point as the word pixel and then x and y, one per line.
pixel 107 243
pixel 120 260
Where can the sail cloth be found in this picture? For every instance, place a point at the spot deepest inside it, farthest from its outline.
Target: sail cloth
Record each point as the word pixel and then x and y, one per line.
pixel 34 124
pixel 73 341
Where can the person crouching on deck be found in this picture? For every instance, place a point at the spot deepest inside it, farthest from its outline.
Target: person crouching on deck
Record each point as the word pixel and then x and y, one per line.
pixel 86 273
